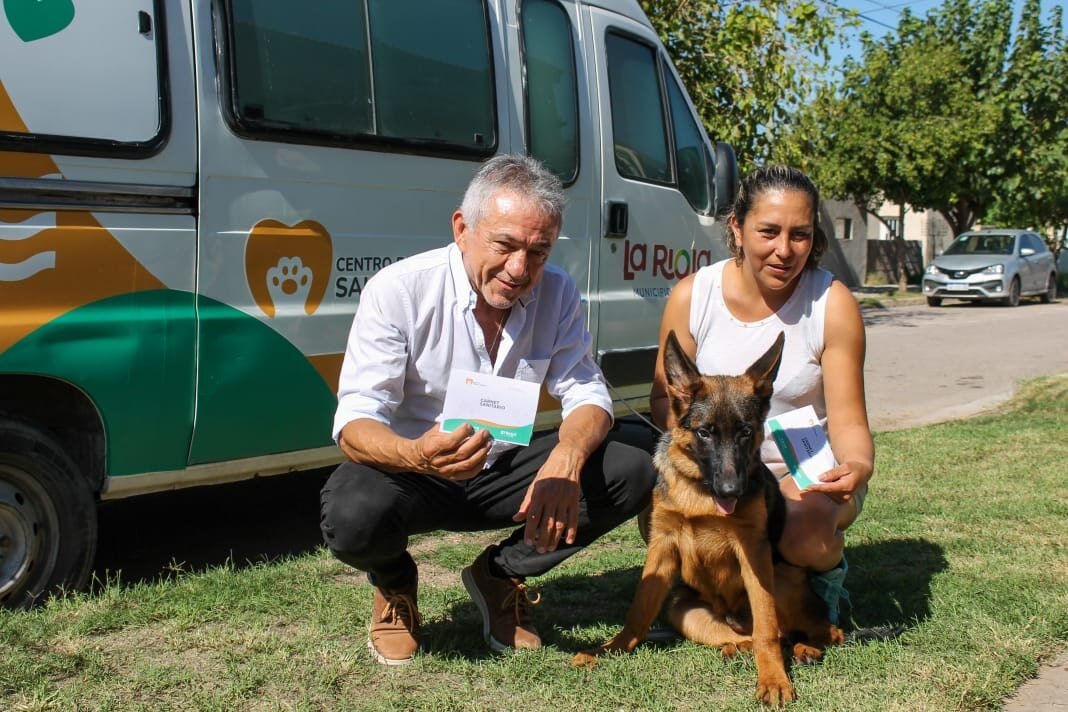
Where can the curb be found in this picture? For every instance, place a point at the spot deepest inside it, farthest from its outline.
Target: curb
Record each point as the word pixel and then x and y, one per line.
pixel 1044 692
pixel 882 299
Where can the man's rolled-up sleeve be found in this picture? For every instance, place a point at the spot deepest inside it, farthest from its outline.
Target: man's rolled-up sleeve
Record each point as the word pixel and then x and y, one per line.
pixel 376 356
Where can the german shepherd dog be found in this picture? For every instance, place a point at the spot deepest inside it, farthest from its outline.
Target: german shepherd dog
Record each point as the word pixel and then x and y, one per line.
pixel 717 515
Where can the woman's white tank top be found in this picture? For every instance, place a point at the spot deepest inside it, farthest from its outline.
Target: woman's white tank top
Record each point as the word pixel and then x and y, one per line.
pixel 728 346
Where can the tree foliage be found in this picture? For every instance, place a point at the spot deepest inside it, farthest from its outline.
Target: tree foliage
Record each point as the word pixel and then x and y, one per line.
pixel 949 113
pixel 1037 194
pixel 748 65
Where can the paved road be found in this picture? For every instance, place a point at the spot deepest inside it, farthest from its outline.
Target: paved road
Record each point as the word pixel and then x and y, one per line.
pixel 928 365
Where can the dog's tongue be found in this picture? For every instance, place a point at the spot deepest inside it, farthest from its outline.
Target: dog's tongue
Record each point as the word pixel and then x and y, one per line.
pixel 725 506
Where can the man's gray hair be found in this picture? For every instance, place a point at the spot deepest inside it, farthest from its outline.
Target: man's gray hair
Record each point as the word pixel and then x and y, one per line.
pixel 521 174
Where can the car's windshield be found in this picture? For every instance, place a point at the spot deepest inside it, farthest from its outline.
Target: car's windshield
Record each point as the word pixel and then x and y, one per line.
pixel 982 245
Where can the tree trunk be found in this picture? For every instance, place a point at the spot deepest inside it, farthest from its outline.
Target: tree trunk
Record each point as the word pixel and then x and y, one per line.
pixel 960 217
pixel 899 239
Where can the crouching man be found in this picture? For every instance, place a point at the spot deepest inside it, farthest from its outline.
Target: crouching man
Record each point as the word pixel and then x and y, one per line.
pixel 488 303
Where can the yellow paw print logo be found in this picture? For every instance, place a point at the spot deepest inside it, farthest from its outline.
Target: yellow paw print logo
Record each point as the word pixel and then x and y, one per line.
pixel 288 267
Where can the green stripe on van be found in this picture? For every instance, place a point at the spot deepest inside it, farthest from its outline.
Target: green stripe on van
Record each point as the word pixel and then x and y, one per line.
pixel 258 393
pixel 132 356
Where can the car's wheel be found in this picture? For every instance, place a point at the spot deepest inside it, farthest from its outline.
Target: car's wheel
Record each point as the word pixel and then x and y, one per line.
pixel 1013 300
pixel 934 301
pixel 1051 290
pixel 47 518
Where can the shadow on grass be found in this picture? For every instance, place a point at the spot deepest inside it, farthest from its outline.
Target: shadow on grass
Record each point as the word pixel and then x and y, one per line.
pixel 889 583
pixel 155 537
pixel 568 602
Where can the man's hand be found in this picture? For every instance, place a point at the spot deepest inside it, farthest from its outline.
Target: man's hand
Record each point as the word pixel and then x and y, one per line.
pixel 551 506
pixel 457 456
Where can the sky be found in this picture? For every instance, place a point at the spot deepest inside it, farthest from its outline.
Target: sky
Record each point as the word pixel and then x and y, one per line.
pixel 878 17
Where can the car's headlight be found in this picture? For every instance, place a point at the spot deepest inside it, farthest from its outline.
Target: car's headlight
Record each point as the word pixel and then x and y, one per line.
pixel 994 269
pixel 931 269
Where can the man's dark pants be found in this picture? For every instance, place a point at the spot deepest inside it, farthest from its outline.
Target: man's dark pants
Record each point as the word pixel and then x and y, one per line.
pixel 367 515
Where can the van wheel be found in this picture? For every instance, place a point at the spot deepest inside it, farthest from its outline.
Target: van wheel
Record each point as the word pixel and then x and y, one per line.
pixel 1013 300
pixel 934 301
pixel 1050 294
pixel 47 518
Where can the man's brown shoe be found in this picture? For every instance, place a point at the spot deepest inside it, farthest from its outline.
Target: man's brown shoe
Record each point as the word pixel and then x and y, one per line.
pixel 503 603
pixel 394 636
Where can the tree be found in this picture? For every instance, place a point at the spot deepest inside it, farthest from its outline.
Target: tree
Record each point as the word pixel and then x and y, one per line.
pixel 1037 194
pixel 924 119
pixel 894 129
pixel 949 113
pixel 748 65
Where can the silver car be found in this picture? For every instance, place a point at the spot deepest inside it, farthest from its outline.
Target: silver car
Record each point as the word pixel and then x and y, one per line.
pixel 995 265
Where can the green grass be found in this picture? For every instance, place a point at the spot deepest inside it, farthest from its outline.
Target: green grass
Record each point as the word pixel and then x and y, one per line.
pixel 961 548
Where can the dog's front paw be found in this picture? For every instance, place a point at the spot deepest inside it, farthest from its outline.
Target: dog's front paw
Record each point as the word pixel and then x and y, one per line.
pixel 588 658
pixel 731 650
pixel 836 635
pixel 775 691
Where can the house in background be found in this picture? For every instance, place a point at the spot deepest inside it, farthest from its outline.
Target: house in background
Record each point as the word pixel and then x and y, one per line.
pixel 862 249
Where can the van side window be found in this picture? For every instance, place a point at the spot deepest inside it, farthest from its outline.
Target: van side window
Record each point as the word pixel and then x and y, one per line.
pixel 367 72
pixel 85 83
pixel 690 152
pixel 638 126
pixel 551 91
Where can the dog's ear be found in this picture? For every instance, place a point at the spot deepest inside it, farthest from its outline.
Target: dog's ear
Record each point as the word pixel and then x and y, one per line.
pixel 763 371
pixel 681 374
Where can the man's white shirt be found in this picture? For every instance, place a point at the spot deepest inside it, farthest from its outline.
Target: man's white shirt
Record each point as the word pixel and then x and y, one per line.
pixel 416 323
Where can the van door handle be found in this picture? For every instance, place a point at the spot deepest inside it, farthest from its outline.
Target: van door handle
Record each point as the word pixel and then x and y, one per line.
pixel 617 220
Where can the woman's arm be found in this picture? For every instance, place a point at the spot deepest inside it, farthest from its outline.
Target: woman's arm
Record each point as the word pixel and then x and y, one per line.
pixel 843 388
pixel 676 318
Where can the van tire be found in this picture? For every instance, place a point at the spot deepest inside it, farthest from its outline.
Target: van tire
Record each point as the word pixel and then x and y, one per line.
pixel 48 528
pixel 934 301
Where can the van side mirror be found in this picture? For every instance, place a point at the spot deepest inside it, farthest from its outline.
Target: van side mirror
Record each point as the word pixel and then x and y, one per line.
pixel 1027 251
pixel 725 182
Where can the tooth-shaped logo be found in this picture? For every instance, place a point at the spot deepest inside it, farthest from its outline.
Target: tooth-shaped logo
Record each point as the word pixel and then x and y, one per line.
pixel 288 268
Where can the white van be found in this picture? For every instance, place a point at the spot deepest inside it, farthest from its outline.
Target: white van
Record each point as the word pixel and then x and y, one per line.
pixel 194 192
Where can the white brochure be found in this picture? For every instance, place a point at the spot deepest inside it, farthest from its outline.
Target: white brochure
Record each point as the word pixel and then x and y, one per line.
pixel 803 444
pixel 504 406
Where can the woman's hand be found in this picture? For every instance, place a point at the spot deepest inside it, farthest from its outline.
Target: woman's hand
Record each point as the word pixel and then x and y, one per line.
pixel 842 482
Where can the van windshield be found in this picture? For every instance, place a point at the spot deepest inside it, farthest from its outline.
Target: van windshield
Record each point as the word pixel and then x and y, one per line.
pixel 982 245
